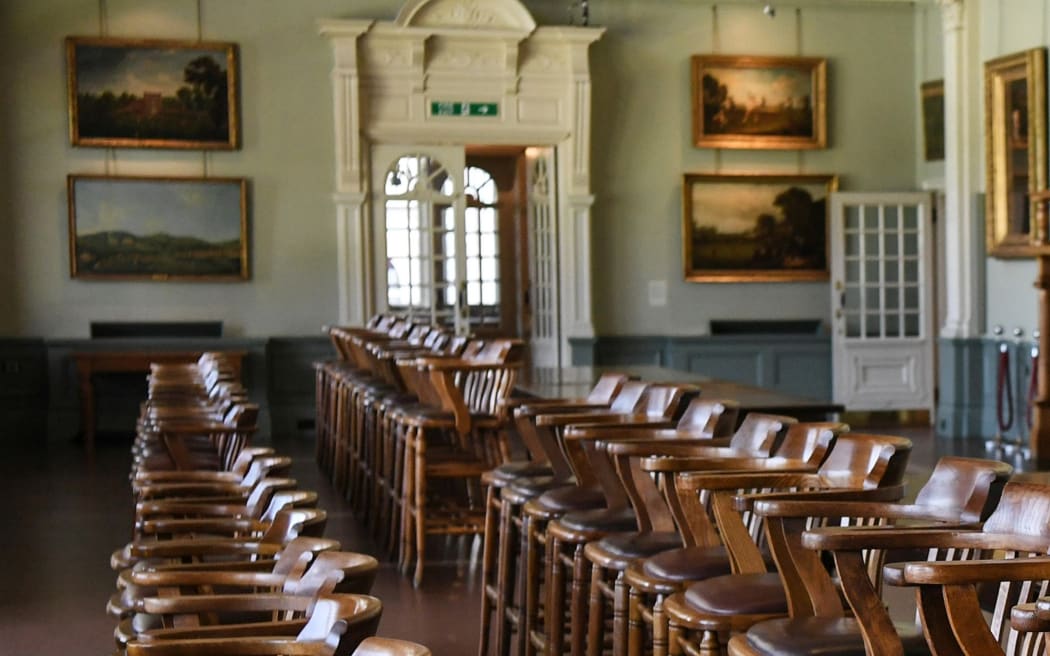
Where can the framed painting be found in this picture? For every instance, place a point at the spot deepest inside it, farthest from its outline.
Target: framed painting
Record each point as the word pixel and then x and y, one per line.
pixel 755 228
pixel 1015 150
pixel 932 94
pixel 759 102
pixel 138 93
pixel 151 228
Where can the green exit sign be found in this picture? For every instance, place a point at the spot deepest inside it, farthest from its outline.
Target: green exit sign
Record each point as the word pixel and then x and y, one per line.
pixel 438 108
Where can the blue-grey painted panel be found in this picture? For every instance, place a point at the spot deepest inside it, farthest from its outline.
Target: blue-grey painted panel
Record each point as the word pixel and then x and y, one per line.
pixel 291 379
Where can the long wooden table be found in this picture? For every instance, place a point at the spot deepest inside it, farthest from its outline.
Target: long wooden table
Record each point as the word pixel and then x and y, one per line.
pixel 90 363
pixel 576 382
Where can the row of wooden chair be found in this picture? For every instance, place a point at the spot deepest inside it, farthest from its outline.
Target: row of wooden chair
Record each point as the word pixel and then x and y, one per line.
pixel 408 420
pixel 699 548
pixel 227 555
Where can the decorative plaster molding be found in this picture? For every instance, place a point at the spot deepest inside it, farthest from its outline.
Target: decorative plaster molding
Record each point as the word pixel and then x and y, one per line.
pixel 471 14
pixel 953 15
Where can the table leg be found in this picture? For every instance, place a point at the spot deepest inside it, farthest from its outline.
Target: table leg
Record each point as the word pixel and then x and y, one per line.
pixel 87 410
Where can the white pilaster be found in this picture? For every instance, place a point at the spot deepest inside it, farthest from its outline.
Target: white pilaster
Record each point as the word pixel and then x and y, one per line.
pixel 961 110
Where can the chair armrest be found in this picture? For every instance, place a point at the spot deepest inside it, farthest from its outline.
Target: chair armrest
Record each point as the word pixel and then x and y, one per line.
pixel 976 571
pixel 182 490
pixel 203 547
pixel 152 509
pixel 276 601
pixel 845 508
pixel 534 407
pixel 258 647
pixel 632 430
pixel 289 628
pixel 202 525
pixel 750 479
pixel 889 493
pixel 226 578
pixel 637 444
pixel 592 418
pixel 891 537
pixel 184 476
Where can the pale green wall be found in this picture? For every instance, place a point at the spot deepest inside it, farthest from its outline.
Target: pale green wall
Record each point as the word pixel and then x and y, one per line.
pixel 643 143
pixel 641 148
pixel 929 65
pixel 1008 26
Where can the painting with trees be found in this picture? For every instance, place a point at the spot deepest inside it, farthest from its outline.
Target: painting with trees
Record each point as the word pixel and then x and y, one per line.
pixel 759 102
pixel 152 228
pixel 152 93
pixel 755 228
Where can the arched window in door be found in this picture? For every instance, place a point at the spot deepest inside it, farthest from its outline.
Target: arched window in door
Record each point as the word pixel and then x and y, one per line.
pixel 442 243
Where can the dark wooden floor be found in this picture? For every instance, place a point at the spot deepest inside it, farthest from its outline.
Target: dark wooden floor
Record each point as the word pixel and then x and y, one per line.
pixel 65 515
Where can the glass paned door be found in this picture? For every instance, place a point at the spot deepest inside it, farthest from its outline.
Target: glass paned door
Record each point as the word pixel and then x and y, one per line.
pixel 882 339
pixel 419 230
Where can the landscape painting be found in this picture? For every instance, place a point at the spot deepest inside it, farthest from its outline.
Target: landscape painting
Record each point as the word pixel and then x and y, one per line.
pixel 158 228
pixel 759 102
pixel 933 120
pixel 152 94
pixel 755 228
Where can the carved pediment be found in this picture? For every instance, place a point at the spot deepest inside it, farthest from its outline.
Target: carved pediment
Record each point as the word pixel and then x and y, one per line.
pixel 468 14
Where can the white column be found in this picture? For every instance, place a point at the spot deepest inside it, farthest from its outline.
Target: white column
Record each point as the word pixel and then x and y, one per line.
pixel 352 226
pixel 961 170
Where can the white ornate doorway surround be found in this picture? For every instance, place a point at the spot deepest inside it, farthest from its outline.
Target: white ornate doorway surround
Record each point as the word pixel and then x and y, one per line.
pixel 466 72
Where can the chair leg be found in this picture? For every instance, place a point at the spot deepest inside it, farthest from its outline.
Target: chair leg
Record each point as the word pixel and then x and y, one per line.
pixel 554 610
pixel 488 551
pixel 635 623
pixel 507 592
pixel 595 614
pixel 578 600
pixel 661 628
pixel 530 608
pixel 421 500
pixel 621 602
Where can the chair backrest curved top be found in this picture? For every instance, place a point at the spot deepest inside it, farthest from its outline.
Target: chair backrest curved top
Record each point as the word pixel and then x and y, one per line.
pixel 760 433
pixel 390 647
pixel 709 417
pixel 973 485
pixel 810 441
pixel 866 461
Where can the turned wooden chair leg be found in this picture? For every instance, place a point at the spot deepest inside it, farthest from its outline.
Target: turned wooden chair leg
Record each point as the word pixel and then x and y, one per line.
pixel 488 551
pixel 554 609
pixel 661 628
pixel 620 615
pixel 527 623
pixel 596 613
pixel 407 503
pixel 421 500
pixel 579 591
pixel 507 592
pixel 635 623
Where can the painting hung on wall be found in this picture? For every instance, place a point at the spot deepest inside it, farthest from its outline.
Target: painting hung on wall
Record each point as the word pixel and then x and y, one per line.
pixel 158 228
pixel 933 120
pixel 755 228
pixel 152 94
pixel 759 102
pixel 1015 149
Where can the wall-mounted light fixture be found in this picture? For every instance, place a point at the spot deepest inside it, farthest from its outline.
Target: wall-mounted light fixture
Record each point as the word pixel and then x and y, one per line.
pixel 769 10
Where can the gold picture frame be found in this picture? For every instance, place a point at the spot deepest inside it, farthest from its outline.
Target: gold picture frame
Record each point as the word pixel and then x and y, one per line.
pixel 759 102
pixel 1015 150
pixel 158 228
pixel 755 227
pixel 152 93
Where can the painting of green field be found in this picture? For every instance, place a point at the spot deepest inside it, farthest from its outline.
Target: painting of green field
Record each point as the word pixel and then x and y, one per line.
pixel 749 227
pixel 158 228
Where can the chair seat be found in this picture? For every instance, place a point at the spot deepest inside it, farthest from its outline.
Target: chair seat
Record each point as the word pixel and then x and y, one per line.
pixel 567 499
pixel 823 636
pixel 688 564
pixel 640 545
pixel 512 471
pixel 601 519
pixel 738 594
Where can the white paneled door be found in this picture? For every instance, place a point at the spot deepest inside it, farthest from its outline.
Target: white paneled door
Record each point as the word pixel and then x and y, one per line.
pixel 543 306
pixel 882 300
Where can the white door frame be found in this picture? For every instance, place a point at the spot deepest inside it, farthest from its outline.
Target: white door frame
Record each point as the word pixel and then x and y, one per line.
pixel 879 360
pixel 390 80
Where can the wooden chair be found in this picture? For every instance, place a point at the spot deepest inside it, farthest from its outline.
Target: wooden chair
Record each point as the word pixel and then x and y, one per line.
pixel 1007 552
pixel 452 444
pixel 539 467
pixel 206 594
pixel 595 490
pixel 803 447
pixel 287 525
pixel 628 525
pixel 133 584
pixel 859 467
pixel 335 626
